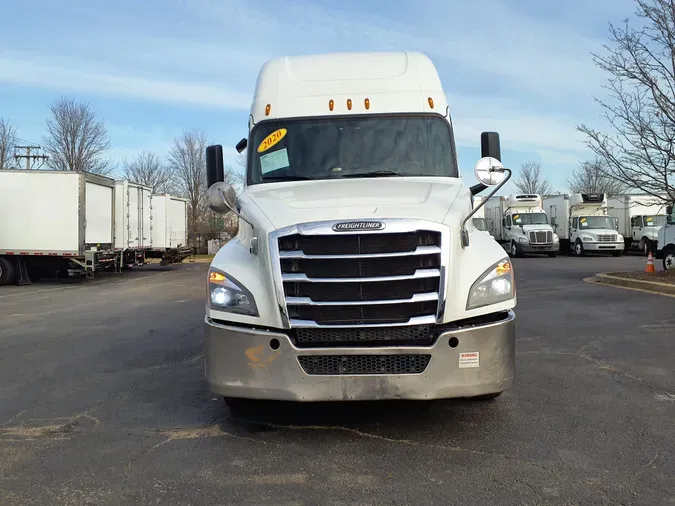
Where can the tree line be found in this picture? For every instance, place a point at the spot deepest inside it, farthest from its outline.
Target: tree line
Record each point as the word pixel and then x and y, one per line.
pixel 77 140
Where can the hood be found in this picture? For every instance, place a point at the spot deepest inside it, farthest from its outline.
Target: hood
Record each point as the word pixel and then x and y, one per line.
pixel 286 204
pixel 534 228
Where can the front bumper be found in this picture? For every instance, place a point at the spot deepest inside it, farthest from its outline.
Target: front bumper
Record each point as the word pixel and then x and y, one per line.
pixel 539 248
pixel 604 246
pixel 241 362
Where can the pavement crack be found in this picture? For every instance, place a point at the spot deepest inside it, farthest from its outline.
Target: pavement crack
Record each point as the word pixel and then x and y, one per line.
pixel 53 430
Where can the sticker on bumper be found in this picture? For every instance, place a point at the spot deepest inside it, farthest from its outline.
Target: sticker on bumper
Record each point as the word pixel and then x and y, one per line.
pixel 469 359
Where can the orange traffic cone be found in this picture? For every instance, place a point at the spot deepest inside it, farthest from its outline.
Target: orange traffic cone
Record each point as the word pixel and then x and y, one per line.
pixel 650 263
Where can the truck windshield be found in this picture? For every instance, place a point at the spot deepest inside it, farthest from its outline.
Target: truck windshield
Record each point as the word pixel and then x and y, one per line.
pixel 655 221
pixel 530 219
pixel 603 222
pixel 351 146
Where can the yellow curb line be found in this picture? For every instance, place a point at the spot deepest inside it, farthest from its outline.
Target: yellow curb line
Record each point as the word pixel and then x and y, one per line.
pixel 594 280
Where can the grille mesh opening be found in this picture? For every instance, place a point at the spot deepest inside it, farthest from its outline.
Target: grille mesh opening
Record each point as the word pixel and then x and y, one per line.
pixel 376 290
pixel 352 244
pixel 363 364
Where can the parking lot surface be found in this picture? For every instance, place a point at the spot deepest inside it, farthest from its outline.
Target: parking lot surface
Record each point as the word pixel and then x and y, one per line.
pixel 102 401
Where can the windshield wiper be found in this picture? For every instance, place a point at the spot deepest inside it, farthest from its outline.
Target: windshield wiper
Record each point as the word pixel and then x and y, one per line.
pixel 375 173
pixel 286 178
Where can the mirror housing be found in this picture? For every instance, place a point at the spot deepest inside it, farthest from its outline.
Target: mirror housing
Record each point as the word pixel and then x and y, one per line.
pixel 669 209
pixel 215 170
pixel 490 145
pixel 241 145
pixel 222 198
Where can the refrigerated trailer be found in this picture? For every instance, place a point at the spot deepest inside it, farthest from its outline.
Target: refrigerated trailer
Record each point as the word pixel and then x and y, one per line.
pixel 169 229
pixel 55 223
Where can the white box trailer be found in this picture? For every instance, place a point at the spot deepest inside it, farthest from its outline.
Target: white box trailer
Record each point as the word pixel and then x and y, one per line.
pixel 54 222
pixel 639 218
pixel 169 221
pixel 494 212
pixel 133 216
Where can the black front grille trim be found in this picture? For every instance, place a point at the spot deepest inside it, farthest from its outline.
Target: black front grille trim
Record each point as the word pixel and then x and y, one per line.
pixel 364 291
pixel 337 365
pixel 367 314
pixel 414 335
pixel 362 244
pixel 360 267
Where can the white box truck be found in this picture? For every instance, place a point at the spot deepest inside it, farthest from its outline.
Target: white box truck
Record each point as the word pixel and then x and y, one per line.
pixel 518 222
pixel 478 219
pixel 639 218
pixel 356 272
pixel 133 220
pixel 665 247
pixel 54 223
pixel 583 224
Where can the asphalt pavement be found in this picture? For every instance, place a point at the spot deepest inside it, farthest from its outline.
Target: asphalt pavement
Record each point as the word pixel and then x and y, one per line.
pixel 102 401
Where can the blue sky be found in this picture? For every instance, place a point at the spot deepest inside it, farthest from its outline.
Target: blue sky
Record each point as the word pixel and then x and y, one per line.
pixel 156 67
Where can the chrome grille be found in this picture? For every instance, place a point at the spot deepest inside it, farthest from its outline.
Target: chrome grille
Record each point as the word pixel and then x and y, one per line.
pixel 361 279
pixel 606 237
pixel 541 237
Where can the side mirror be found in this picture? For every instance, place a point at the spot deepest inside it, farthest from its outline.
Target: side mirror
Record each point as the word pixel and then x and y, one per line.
pixel 616 223
pixel 490 146
pixel 241 145
pixel 554 221
pixel 669 209
pixel 503 222
pixel 489 171
pixel 215 170
pixel 222 198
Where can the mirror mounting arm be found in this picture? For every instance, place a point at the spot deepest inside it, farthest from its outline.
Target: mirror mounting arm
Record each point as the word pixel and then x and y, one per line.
pixel 464 232
pixel 232 208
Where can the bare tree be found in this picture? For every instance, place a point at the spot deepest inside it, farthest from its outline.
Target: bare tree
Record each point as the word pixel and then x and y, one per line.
pixel 147 168
pixel 187 163
pixel 531 180
pixel 76 139
pixel 7 143
pixel 593 177
pixel 641 67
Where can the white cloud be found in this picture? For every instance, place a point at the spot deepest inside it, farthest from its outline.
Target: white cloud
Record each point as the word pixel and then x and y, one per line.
pixel 78 78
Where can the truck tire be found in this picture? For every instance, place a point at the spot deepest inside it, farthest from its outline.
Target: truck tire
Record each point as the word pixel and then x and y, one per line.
pixel 579 249
pixel 647 246
pixel 7 271
pixel 669 258
pixel 513 249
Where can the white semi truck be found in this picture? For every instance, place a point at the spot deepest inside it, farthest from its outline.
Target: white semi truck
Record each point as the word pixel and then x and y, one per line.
pixel 639 219
pixel 583 224
pixel 356 272
pixel 520 225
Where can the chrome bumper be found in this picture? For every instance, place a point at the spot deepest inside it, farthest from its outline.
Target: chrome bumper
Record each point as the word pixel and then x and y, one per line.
pixel 241 362
pixel 604 246
pixel 539 248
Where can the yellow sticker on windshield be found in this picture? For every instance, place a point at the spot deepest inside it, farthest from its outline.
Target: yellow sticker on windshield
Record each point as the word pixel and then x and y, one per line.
pixel 516 216
pixel 649 218
pixel 271 140
pixel 583 220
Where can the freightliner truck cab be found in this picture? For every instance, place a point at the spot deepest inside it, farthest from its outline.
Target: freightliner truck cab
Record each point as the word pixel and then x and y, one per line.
pixel 357 272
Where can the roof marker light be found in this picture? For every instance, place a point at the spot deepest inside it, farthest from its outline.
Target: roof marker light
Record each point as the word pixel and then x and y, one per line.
pixel 349 104
pixel 431 102
pixel 331 104
pixel 268 108
pixel 367 102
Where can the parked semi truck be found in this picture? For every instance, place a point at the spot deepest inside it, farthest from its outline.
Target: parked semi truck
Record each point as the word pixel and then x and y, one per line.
pixel 639 219
pixel 520 225
pixel 55 223
pixel 583 224
pixel 356 272
pixel 478 219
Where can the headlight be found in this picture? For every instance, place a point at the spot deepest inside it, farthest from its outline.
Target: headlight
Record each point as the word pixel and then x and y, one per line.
pixel 619 238
pixel 226 294
pixel 497 284
pixel 556 238
pixel 523 240
pixel 587 239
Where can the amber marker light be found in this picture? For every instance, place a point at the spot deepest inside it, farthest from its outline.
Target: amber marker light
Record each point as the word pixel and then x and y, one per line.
pixel 268 108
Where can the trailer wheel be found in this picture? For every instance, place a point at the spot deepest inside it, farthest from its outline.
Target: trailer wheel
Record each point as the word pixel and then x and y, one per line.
pixel 669 259
pixel 7 271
